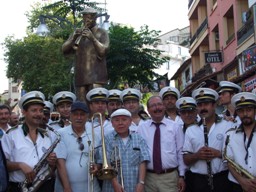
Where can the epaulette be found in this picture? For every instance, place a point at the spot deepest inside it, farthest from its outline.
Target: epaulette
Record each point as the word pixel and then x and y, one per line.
pixel 231 129
pixel 53 123
pixel 12 128
pixel 218 118
pixel 43 132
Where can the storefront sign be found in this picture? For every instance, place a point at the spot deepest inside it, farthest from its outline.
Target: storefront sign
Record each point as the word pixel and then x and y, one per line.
pixel 249 56
pixel 250 83
pixel 213 57
pixel 232 74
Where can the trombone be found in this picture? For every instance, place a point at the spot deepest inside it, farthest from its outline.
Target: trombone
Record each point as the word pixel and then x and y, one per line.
pixel 107 172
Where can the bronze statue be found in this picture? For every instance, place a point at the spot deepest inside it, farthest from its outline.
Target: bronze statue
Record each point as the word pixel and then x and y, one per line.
pixel 90 44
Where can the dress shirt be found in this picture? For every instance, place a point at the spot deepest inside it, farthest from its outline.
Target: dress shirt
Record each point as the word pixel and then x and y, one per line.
pixel 194 140
pixel 172 138
pixel 107 125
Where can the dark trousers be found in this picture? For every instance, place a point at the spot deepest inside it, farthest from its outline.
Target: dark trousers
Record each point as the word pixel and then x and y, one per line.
pixel 197 182
pixel 46 187
pixel 236 187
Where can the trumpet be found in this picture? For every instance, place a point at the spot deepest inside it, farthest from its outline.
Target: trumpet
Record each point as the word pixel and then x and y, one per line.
pixel 79 38
pixel 118 164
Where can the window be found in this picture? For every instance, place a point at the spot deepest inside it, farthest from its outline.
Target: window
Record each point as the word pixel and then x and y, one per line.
pixel 15 89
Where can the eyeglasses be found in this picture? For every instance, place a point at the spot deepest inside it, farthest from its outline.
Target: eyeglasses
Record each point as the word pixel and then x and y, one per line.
pixel 81 145
pixel 81 148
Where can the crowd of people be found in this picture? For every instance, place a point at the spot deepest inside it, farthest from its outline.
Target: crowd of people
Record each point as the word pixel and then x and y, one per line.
pixel 105 144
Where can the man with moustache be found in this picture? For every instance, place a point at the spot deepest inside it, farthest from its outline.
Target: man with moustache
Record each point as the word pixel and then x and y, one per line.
pixel 5 114
pixel 166 169
pixel 73 152
pixel 227 90
pixel 241 145
pixel 26 144
pixel 62 102
pixel 203 146
pixel 169 96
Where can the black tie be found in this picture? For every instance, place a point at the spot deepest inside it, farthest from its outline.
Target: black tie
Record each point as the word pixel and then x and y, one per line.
pixel 157 160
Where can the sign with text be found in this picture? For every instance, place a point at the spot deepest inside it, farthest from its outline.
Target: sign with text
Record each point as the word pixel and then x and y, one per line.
pixel 213 57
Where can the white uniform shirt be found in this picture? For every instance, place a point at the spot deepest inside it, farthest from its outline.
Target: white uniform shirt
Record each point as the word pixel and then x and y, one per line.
pixel 107 126
pixel 236 151
pixel 134 127
pixel 18 147
pixel 172 139
pixel 76 160
pixel 194 140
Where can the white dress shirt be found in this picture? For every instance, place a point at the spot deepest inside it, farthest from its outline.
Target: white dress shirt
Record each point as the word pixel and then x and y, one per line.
pixel 172 139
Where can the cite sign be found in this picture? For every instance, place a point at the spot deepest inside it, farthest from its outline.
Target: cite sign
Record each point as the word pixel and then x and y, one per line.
pixel 213 57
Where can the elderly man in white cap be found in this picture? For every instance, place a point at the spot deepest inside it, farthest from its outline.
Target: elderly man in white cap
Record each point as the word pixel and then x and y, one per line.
pixel 241 144
pixel 131 100
pixel 26 144
pixel 132 152
pixel 62 102
pixel 169 96
pixel 203 145
pixel 90 45
pixel 227 90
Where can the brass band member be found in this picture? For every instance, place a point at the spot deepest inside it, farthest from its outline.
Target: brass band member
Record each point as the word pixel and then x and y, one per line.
pixel 198 156
pixel 90 51
pixel 25 144
pixel 227 90
pixel 114 101
pixel 242 143
pixel 73 152
pixel 62 102
pixel 131 149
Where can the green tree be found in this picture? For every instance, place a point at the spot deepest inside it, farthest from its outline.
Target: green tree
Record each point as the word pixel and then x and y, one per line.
pixel 39 63
pixel 132 58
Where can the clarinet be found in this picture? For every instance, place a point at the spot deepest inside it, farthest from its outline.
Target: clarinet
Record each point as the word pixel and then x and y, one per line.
pixel 208 162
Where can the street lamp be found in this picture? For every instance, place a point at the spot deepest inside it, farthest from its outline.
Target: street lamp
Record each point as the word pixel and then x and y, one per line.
pixel 42 29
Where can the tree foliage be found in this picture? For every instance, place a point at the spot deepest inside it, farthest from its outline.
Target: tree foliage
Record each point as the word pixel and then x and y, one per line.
pixel 39 63
pixel 132 57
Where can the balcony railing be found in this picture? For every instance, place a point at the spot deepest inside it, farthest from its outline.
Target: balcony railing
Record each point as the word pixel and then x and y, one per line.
pixel 204 71
pixel 202 27
pixel 245 31
pixel 190 3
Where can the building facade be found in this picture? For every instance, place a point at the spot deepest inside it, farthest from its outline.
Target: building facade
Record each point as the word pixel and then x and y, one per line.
pixel 221 45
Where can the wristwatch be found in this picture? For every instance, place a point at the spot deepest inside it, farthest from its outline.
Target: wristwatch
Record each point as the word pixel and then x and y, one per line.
pixel 142 182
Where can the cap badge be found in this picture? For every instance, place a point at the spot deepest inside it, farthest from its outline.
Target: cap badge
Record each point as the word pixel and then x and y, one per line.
pixel 184 102
pixel 129 93
pixel 114 94
pixel 100 92
pixel 242 99
pixel 201 93
pixel 63 96
pixel 37 95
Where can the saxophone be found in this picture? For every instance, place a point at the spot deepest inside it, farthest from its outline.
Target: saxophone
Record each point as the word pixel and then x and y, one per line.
pixel 238 168
pixel 41 178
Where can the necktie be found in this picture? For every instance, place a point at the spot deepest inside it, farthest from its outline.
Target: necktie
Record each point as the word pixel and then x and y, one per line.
pixel 157 160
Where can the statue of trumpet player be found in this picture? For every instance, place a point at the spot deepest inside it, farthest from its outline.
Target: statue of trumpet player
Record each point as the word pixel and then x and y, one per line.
pixel 90 45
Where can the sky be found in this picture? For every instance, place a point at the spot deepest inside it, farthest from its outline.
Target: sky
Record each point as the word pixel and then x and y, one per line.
pixel 163 15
